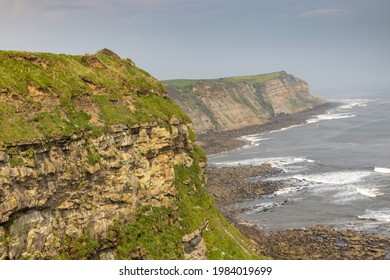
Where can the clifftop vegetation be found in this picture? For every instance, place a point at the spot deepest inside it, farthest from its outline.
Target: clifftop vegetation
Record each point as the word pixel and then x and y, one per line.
pixel 45 95
pixel 250 79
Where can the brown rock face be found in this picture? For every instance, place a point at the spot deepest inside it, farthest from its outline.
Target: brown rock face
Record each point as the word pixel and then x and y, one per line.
pixel 233 103
pixel 67 187
pixel 288 95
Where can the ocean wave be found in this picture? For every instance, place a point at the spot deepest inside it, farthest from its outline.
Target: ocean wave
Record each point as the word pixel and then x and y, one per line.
pixel 334 178
pixel 254 139
pixel 347 104
pixel 263 207
pixel 329 116
pixel 286 128
pixel 353 104
pixel 350 193
pixel 346 195
pixel 278 162
pixel 382 170
pixel 382 215
pixel 289 190
pixel 350 103
pixel 369 192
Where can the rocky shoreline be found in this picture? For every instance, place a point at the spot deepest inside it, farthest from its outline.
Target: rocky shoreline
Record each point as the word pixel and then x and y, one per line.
pixel 229 185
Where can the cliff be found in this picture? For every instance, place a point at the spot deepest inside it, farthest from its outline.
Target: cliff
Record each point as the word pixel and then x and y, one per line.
pixel 96 162
pixel 236 102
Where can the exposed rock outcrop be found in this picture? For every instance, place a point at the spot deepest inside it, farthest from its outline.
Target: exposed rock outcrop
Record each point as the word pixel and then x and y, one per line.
pixel 194 244
pixel 85 184
pixel 237 102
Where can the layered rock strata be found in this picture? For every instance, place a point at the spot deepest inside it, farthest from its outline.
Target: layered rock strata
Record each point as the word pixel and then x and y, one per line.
pixel 237 102
pixel 70 185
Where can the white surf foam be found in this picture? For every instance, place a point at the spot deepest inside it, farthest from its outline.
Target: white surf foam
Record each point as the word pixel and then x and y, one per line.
pixel 329 116
pixel 254 139
pixel 354 104
pixel 334 178
pixel 262 207
pixel 369 192
pixel 346 195
pixel 334 115
pixel 382 215
pixel 286 191
pixel 382 170
pixel 278 162
pixel 286 128
pixel 350 103
pixel 350 193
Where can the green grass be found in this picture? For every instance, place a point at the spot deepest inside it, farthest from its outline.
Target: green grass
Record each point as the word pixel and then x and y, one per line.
pixel 153 233
pixel 250 79
pixel 181 83
pixel 68 79
pixel 15 161
pixel 112 110
pixel 254 79
pixel 14 127
pixel 82 248
pixel 161 108
pixel 92 156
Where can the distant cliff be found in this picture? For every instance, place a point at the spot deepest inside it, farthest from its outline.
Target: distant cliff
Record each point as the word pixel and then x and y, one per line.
pixel 96 162
pixel 235 102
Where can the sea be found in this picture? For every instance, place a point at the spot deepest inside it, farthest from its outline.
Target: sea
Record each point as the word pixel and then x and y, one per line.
pixel 336 167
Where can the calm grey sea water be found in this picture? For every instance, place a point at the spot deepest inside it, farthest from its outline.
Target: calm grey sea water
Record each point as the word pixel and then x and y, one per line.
pixel 338 165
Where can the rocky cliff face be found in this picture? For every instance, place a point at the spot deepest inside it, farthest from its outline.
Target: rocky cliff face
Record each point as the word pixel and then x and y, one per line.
pixel 236 102
pixel 68 186
pixel 96 162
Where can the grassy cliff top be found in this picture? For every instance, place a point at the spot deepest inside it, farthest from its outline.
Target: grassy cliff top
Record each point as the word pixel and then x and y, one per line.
pixel 250 79
pixel 44 95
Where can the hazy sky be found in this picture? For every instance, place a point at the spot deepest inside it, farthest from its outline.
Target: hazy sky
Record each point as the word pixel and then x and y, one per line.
pixel 338 46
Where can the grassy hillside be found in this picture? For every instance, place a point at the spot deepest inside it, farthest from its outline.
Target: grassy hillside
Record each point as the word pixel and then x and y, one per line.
pixel 45 95
pixel 255 79
pixel 250 79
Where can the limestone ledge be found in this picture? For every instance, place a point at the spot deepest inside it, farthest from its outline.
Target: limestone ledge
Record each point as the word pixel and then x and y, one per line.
pixel 63 187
